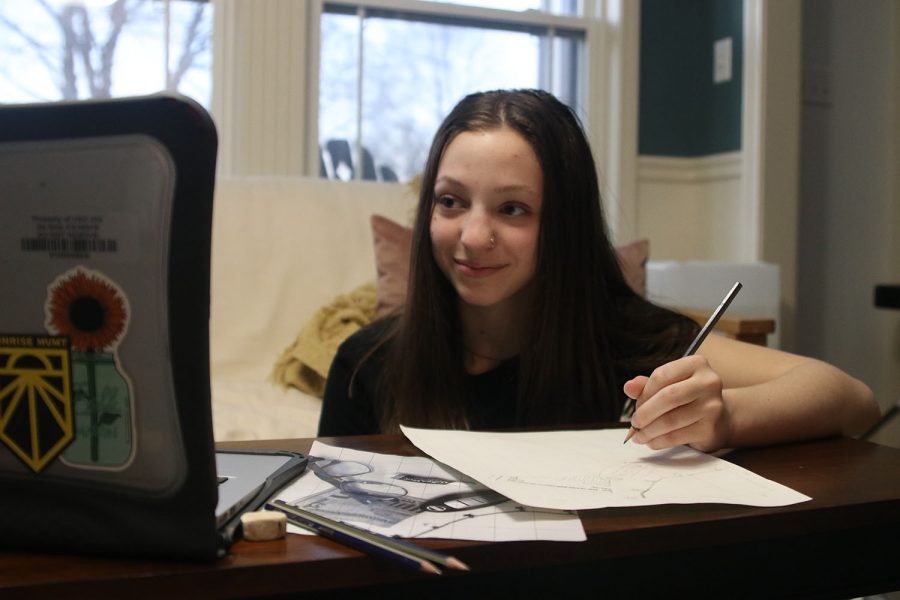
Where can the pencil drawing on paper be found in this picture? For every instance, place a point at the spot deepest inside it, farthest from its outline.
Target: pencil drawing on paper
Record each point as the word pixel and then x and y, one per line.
pixel 584 469
pixel 416 497
pixel 630 480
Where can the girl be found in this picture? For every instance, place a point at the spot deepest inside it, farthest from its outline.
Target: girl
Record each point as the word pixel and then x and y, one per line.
pixel 518 314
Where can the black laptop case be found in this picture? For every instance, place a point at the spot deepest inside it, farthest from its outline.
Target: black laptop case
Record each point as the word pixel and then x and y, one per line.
pixel 106 441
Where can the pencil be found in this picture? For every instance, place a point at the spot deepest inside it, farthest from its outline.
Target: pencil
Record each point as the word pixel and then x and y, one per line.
pixel 370 542
pixel 432 556
pixel 350 536
pixel 710 323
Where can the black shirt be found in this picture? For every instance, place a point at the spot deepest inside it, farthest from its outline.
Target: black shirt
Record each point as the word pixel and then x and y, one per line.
pixel 348 407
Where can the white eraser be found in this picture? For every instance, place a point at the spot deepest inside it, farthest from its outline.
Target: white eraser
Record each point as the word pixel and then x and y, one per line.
pixel 264 525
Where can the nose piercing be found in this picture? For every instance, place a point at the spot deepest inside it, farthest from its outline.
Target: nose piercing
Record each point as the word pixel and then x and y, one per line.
pixel 493 241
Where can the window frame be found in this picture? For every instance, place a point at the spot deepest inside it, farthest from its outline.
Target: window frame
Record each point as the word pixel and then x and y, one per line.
pixel 254 79
pixel 553 27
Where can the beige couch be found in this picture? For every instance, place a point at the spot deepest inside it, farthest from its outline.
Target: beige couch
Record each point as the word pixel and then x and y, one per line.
pixel 282 249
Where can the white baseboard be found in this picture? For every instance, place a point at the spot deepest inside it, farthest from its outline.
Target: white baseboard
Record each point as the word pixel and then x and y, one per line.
pixel 713 167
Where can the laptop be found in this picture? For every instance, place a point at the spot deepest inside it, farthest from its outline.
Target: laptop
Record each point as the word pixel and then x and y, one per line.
pixel 106 442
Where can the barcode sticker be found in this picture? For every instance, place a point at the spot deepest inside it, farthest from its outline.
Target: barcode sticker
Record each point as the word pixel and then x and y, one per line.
pixel 64 245
pixel 113 236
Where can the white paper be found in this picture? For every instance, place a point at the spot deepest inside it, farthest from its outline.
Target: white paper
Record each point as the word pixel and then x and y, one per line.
pixel 406 514
pixel 574 470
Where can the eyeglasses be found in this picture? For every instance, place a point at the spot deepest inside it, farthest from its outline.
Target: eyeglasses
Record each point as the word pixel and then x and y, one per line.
pixel 342 475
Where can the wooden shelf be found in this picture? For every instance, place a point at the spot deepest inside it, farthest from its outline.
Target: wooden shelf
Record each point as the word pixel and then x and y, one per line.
pixel 754 330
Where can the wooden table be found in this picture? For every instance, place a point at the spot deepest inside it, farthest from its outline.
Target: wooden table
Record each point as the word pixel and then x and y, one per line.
pixel 843 543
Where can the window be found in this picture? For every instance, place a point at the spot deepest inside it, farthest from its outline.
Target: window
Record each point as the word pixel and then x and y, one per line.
pixel 66 49
pixel 373 77
pixel 390 72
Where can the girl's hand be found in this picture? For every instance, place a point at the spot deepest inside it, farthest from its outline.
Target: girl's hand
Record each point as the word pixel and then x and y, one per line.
pixel 680 403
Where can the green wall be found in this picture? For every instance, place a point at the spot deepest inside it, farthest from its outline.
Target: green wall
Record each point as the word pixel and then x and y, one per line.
pixel 682 112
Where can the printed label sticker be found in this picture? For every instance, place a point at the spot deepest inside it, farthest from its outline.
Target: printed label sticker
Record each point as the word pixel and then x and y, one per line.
pixel 36 409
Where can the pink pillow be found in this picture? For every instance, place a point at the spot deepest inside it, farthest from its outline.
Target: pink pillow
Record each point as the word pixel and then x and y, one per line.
pixel 633 260
pixel 392 248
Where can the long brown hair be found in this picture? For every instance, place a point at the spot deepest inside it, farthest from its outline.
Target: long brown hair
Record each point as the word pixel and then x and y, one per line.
pixel 589 332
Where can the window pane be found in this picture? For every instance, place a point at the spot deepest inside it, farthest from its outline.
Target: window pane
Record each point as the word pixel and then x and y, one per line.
pixel 568 65
pixel 190 49
pixel 338 97
pixel 413 74
pixel 42 45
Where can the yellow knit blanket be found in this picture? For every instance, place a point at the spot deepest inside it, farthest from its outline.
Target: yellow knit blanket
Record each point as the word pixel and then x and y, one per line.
pixel 305 363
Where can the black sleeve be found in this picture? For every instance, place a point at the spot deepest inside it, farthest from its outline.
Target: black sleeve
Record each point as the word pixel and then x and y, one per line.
pixel 350 410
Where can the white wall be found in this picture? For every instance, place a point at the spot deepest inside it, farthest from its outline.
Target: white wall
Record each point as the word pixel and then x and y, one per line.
pixel 848 229
pixel 835 232
pixel 702 196
pixel 740 207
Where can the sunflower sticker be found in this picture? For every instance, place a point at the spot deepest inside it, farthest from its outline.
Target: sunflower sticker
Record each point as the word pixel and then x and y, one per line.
pixel 90 310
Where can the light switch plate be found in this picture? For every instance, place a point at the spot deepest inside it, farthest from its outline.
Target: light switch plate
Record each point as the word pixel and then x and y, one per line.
pixel 722 54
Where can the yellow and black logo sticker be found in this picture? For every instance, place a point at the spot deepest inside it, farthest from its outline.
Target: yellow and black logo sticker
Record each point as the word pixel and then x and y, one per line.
pixel 36 416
